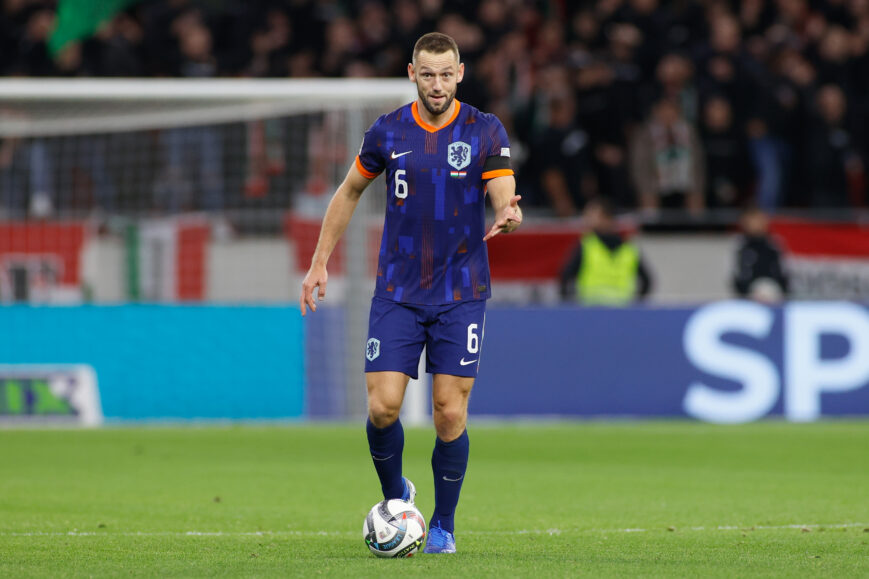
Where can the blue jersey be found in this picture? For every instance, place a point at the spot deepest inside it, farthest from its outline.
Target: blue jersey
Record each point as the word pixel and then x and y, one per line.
pixel 432 251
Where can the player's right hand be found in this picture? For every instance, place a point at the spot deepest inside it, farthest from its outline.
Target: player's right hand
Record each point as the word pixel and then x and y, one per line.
pixel 316 278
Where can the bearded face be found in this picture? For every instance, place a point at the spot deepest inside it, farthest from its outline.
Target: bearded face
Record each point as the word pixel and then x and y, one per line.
pixel 436 77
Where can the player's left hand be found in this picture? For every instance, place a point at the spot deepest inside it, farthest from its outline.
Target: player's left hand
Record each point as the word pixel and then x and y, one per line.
pixel 507 219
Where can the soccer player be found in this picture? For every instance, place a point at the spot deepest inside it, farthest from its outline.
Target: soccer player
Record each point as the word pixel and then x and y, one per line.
pixel 441 158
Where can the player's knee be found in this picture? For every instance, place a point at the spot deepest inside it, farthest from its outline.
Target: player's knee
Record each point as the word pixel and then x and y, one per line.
pixel 382 414
pixel 449 418
pixel 449 431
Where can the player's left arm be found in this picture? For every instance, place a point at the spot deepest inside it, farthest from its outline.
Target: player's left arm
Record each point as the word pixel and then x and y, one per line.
pixel 508 215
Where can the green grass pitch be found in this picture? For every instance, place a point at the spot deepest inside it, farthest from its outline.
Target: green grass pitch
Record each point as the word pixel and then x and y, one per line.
pixel 665 499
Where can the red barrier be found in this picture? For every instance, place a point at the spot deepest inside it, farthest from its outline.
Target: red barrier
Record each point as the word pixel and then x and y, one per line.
pixel 60 240
pixel 809 238
pixel 190 261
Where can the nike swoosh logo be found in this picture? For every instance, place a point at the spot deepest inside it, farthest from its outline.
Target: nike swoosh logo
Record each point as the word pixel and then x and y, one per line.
pixel 464 362
pixel 394 156
pixel 453 479
pixel 377 458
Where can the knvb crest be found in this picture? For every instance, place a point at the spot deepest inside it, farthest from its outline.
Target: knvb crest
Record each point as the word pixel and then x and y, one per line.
pixel 372 349
pixel 459 155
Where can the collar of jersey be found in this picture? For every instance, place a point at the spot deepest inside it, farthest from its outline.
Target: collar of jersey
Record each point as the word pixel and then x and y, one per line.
pixel 414 108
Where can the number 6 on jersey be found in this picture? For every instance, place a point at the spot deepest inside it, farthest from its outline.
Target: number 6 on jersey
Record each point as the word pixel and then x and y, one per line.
pixel 400 184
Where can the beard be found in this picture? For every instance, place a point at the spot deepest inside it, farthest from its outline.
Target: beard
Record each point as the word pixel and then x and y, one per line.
pixel 431 107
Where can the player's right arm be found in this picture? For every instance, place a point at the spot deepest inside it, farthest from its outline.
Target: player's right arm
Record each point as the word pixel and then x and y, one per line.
pixel 338 215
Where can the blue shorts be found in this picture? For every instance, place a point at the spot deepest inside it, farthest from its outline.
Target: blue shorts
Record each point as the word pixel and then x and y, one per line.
pixel 452 335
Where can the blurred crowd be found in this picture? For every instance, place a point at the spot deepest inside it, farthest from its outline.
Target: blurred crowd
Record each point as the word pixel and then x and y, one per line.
pixel 650 104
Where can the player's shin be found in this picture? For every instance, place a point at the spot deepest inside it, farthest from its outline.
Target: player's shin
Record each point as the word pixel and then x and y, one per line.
pixel 387 445
pixel 449 461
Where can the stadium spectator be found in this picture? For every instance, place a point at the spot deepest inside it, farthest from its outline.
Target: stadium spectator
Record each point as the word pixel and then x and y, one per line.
pixel 562 159
pixel 118 49
pixel 608 86
pixel 408 24
pixel 83 179
pixel 376 38
pixel 270 45
pixel 832 58
pixel 667 161
pixel 342 46
pixel 160 41
pixel 728 171
pixel 604 269
pixel 26 184
pixel 12 18
pixel 774 128
pixel 192 175
pixel 648 22
pixel 759 274
pixel 675 81
pixel 723 64
pixel 836 170
pixel 755 17
pixel 860 50
pixel 494 18
pixel 33 58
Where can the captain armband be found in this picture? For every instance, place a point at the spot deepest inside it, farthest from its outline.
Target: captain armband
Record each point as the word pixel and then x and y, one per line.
pixel 497 166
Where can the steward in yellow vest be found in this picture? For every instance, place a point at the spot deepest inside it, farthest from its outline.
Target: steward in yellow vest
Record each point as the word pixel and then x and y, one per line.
pixel 604 270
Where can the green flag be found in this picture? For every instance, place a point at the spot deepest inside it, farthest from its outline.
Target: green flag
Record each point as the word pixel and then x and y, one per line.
pixel 77 19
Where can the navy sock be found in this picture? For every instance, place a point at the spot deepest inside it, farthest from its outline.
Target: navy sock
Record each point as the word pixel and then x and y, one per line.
pixel 386 445
pixel 449 461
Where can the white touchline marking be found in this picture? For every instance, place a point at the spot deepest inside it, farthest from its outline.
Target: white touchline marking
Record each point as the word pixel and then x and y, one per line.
pixel 290 533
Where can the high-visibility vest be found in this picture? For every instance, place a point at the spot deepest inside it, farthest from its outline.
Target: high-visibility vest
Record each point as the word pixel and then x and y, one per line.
pixel 607 277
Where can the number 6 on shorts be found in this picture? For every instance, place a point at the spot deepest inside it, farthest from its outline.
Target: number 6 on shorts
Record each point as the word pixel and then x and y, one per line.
pixel 473 340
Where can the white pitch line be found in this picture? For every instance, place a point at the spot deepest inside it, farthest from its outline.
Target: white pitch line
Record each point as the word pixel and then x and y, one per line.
pixel 290 533
pixel 639 530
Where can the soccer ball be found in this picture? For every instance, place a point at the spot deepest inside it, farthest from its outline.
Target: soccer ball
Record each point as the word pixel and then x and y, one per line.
pixel 394 528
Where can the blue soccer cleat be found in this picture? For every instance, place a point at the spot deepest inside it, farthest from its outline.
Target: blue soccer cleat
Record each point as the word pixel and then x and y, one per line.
pixel 409 490
pixel 440 541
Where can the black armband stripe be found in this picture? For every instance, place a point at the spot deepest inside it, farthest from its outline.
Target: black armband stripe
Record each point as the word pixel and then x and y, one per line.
pixel 496 163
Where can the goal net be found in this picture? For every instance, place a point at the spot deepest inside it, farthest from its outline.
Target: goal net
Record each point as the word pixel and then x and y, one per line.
pixel 203 191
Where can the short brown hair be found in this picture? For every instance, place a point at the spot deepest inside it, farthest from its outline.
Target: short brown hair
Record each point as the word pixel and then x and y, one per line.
pixel 436 43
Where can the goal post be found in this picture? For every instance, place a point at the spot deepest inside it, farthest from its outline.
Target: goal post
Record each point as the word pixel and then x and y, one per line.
pixel 208 190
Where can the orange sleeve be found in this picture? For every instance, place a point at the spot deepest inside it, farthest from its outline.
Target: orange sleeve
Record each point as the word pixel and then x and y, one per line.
pixel 365 172
pixel 497 173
